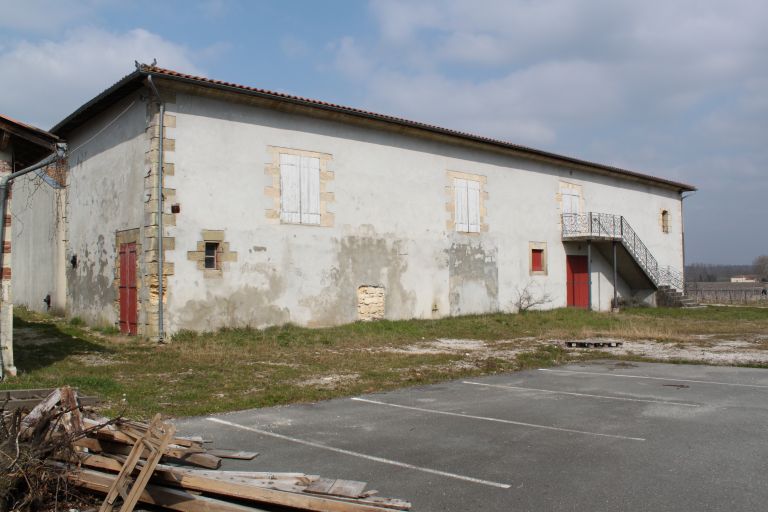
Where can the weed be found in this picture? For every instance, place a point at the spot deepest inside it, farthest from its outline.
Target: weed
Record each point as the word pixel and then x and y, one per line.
pixel 108 330
pixel 76 321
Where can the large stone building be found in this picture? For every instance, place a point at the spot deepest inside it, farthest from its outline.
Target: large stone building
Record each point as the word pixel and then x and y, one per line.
pixel 278 209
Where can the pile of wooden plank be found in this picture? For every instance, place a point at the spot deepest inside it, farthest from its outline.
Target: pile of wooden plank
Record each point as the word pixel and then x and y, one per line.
pixel 131 463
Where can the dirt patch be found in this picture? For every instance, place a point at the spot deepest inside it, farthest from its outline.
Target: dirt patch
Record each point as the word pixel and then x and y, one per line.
pixel 714 351
pixel 94 359
pixel 704 348
pixel 476 348
pixel 330 381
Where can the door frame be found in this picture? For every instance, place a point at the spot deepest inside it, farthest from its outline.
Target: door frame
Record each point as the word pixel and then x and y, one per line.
pixel 130 236
pixel 577 290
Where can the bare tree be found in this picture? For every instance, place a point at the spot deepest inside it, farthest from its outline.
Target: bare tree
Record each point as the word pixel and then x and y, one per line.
pixel 530 296
pixel 760 266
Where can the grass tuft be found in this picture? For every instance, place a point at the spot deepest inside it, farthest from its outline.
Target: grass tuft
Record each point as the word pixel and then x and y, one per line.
pixel 76 321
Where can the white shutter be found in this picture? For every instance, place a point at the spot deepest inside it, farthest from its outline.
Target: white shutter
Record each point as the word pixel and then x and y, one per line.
pixel 571 200
pixel 290 199
pixel 460 205
pixel 473 206
pixel 575 203
pixel 310 190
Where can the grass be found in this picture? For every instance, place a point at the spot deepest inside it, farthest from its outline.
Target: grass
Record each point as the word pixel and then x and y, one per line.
pixel 241 368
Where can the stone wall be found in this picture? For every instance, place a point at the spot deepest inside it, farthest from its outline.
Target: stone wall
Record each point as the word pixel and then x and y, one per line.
pixel 370 303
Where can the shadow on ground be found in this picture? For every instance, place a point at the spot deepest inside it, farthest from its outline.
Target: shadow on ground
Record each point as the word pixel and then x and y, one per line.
pixel 37 345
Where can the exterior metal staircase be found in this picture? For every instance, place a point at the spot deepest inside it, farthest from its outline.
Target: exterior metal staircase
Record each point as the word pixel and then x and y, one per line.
pixel 672 298
pixel 610 227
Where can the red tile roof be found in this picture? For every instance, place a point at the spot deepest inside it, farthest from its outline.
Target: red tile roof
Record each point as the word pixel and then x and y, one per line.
pixel 29 127
pixel 135 80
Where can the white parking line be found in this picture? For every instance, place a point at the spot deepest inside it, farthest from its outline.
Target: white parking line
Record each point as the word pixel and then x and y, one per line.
pixel 585 395
pixel 657 378
pixel 363 455
pixel 498 420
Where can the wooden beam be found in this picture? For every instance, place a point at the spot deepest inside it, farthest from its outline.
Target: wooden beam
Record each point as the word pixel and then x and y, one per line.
pixel 234 454
pixel 112 432
pixel 155 438
pixel 42 408
pixel 71 419
pixel 174 499
pixel 174 473
pixel 248 489
pixel 173 452
pixel 29 398
pixel 26 135
pixel 5 139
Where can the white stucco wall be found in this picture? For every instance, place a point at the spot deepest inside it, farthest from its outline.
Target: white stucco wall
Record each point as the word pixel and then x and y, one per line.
pixel 389 228
pixel 390 223
pixel 105 194
pixel 35 244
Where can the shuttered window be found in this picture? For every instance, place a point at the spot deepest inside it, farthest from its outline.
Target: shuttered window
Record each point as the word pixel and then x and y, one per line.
pixel 537 260
pixel 467 205
pixel 299 189
pixel 571 200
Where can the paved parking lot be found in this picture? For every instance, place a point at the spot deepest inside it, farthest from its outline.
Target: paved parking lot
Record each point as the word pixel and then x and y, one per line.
pixel 596 436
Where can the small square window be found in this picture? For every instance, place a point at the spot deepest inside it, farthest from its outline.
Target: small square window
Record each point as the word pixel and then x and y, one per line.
pixel 537 260
pixel 212 255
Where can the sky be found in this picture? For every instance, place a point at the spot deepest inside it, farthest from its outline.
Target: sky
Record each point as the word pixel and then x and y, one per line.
pixel 673 89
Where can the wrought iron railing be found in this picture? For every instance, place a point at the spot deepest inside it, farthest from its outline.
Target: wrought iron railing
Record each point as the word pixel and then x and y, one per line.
pixel 607 226
pixel 672 277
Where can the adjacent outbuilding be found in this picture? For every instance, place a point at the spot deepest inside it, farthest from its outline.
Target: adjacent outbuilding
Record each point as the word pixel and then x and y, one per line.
pixel 21 147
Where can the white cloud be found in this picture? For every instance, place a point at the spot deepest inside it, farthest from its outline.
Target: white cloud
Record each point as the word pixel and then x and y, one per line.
pixel 351 60
pixel 49 79
pixel 526 106
pixel 676 89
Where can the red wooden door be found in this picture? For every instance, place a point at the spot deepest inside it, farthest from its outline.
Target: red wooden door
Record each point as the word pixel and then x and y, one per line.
pixel 128 300
pixel 578 281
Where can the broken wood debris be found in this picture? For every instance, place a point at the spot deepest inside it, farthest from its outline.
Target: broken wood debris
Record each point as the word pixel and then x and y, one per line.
pixel 12 399
pixel 129 462
pixel 592 344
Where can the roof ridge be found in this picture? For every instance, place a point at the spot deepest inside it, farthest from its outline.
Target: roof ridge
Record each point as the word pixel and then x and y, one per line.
pixel 147 69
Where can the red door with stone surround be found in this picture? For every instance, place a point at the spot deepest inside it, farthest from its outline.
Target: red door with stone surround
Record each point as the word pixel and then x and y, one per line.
pixel 128 298
pixel 578 281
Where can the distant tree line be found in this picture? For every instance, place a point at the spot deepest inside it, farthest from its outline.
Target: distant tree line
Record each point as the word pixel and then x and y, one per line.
pixel 705 272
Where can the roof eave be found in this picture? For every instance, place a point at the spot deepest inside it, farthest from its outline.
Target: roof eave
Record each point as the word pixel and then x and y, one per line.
pixel 681 187
pixel 135 80
pixel 119 89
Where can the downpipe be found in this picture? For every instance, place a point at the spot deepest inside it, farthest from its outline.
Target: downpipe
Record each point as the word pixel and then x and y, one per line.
pixel 161 135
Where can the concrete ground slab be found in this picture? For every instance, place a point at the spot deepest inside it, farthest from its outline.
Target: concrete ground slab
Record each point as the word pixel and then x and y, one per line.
pixel 592 436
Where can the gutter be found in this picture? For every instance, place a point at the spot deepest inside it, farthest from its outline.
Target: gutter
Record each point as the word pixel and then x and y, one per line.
pixel 128 82
pixel 4 181
pixel 160 291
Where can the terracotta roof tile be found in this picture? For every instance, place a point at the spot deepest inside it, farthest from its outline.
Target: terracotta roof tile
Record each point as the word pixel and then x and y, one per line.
pixel 29 127
pixel 144 70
